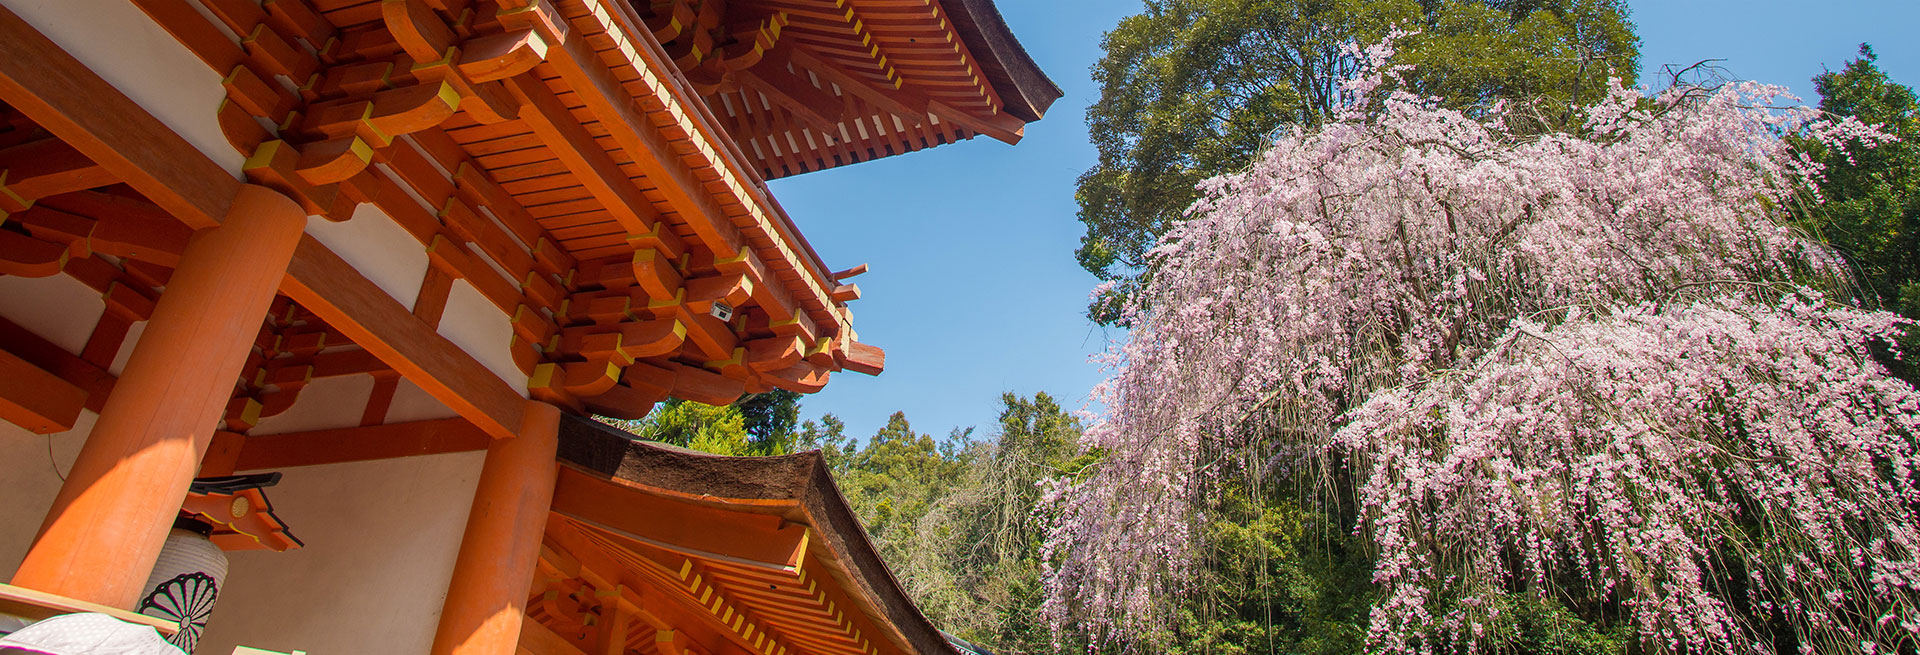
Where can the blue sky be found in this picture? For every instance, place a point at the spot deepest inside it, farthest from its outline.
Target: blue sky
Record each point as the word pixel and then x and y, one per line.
pixel 974 291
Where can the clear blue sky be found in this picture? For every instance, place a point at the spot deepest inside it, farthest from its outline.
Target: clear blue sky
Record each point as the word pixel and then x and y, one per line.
pixel 974 290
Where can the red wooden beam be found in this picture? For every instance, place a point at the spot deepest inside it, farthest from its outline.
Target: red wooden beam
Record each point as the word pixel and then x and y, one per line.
pixel 43 354
pixel 748 539
pixel 35 399
pixel 330 287
pixel 48 167
pixel 65 97
pixel 450 435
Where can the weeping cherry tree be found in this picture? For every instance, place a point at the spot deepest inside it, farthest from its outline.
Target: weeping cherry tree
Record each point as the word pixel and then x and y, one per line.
pixel 1592 364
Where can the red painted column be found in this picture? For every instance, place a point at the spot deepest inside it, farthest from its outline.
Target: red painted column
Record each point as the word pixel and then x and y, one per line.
pixel 487 599
pixel 106 527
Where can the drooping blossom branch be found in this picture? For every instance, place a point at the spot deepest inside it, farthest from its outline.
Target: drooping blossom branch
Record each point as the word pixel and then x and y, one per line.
pixel 1594 364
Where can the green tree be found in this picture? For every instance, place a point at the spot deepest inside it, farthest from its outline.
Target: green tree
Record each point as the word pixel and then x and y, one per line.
pixel 771 418
pixel 896 477
pixel 1192 89
pixel 720 430
pixel 1872 208
pixel 974 562
pixel 757 425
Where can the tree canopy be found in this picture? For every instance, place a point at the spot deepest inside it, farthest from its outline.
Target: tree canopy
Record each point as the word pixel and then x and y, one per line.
pixel 759 424
pixel 1591 367
pixel 1192 89
pixel 1871 208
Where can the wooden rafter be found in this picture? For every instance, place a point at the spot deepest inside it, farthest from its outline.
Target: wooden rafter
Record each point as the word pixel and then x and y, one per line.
pixel 451 435
pixel 75 104
pixel 36 399
pixel 322 282
pixel 374 94
pixel 772 77
pixel 749 540
pixel 570 553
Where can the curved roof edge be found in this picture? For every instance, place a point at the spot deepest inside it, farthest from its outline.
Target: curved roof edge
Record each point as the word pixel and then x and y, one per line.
pixel 1024 89
pixel 801 479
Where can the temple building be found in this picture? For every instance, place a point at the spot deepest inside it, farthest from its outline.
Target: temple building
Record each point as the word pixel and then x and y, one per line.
pixel 306 307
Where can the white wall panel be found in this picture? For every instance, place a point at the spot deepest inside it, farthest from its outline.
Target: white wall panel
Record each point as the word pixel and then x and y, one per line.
pixel 478 327
pixel 381 538
pixel 127 49
pixel 378 248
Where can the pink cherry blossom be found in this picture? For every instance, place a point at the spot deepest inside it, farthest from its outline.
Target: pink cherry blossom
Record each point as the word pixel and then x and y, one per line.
pixel 1598 363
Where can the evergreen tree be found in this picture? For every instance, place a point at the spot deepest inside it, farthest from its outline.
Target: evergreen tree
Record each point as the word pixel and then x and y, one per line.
pixel 1192 89
pixel 1871 212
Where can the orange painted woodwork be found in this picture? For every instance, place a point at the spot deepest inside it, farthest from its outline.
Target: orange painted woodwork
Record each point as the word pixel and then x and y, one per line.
pixel 775 353
pixel 26 256
pixel 486 601
pixel 842 276
pixel 605 98
pixel 589 378
pixel 415 27
pixel 541 640
pixel 615 622
pixel 450 435
pixel 221 454
pixel 755 540
pixel 862 358
pixel 34 399
pixel 626 402
pixel 818 108
pixel 805 377
pixel 128 228
pixel 330 287
pixel 501 56
pixel 563 134
pixel 195 32
pixel 386 114
pixel 703 386
pixel 39 352
pixel 334 160
pixel 612 136
pixel 846 292
pixel 111 516
pixel 48 167
pixel 241 521
pixel 632 340
pixel 61 94
pixel 574 555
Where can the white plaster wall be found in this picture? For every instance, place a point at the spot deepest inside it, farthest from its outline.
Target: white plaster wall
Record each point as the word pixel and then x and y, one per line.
pixel 411 403
pixel 58 308
pixel 325 404
pixel 380 544
pixel 126 348
pixel 377 247
pixel 128 50
pixel 31 466
pixel 478 327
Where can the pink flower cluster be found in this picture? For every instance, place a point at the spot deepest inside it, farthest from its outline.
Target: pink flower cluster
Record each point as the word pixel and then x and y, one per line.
pixel 1592 364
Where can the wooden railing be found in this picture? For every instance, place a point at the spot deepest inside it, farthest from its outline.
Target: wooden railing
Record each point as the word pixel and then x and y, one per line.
pixel 36 605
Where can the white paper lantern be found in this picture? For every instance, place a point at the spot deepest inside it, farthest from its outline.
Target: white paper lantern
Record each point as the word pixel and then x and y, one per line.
pixel 184 584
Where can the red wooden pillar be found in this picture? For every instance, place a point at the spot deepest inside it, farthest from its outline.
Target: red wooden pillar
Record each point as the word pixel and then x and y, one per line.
pixel 486 601
pixel 106 527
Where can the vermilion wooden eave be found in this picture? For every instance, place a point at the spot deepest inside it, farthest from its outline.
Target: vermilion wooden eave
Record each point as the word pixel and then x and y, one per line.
pixel 41 80
pixel 759 552
pixel 633 95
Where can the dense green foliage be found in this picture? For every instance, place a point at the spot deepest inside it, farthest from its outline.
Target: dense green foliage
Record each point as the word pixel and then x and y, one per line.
pixel 1872 208
pixel 1191 89
pixel 761 424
